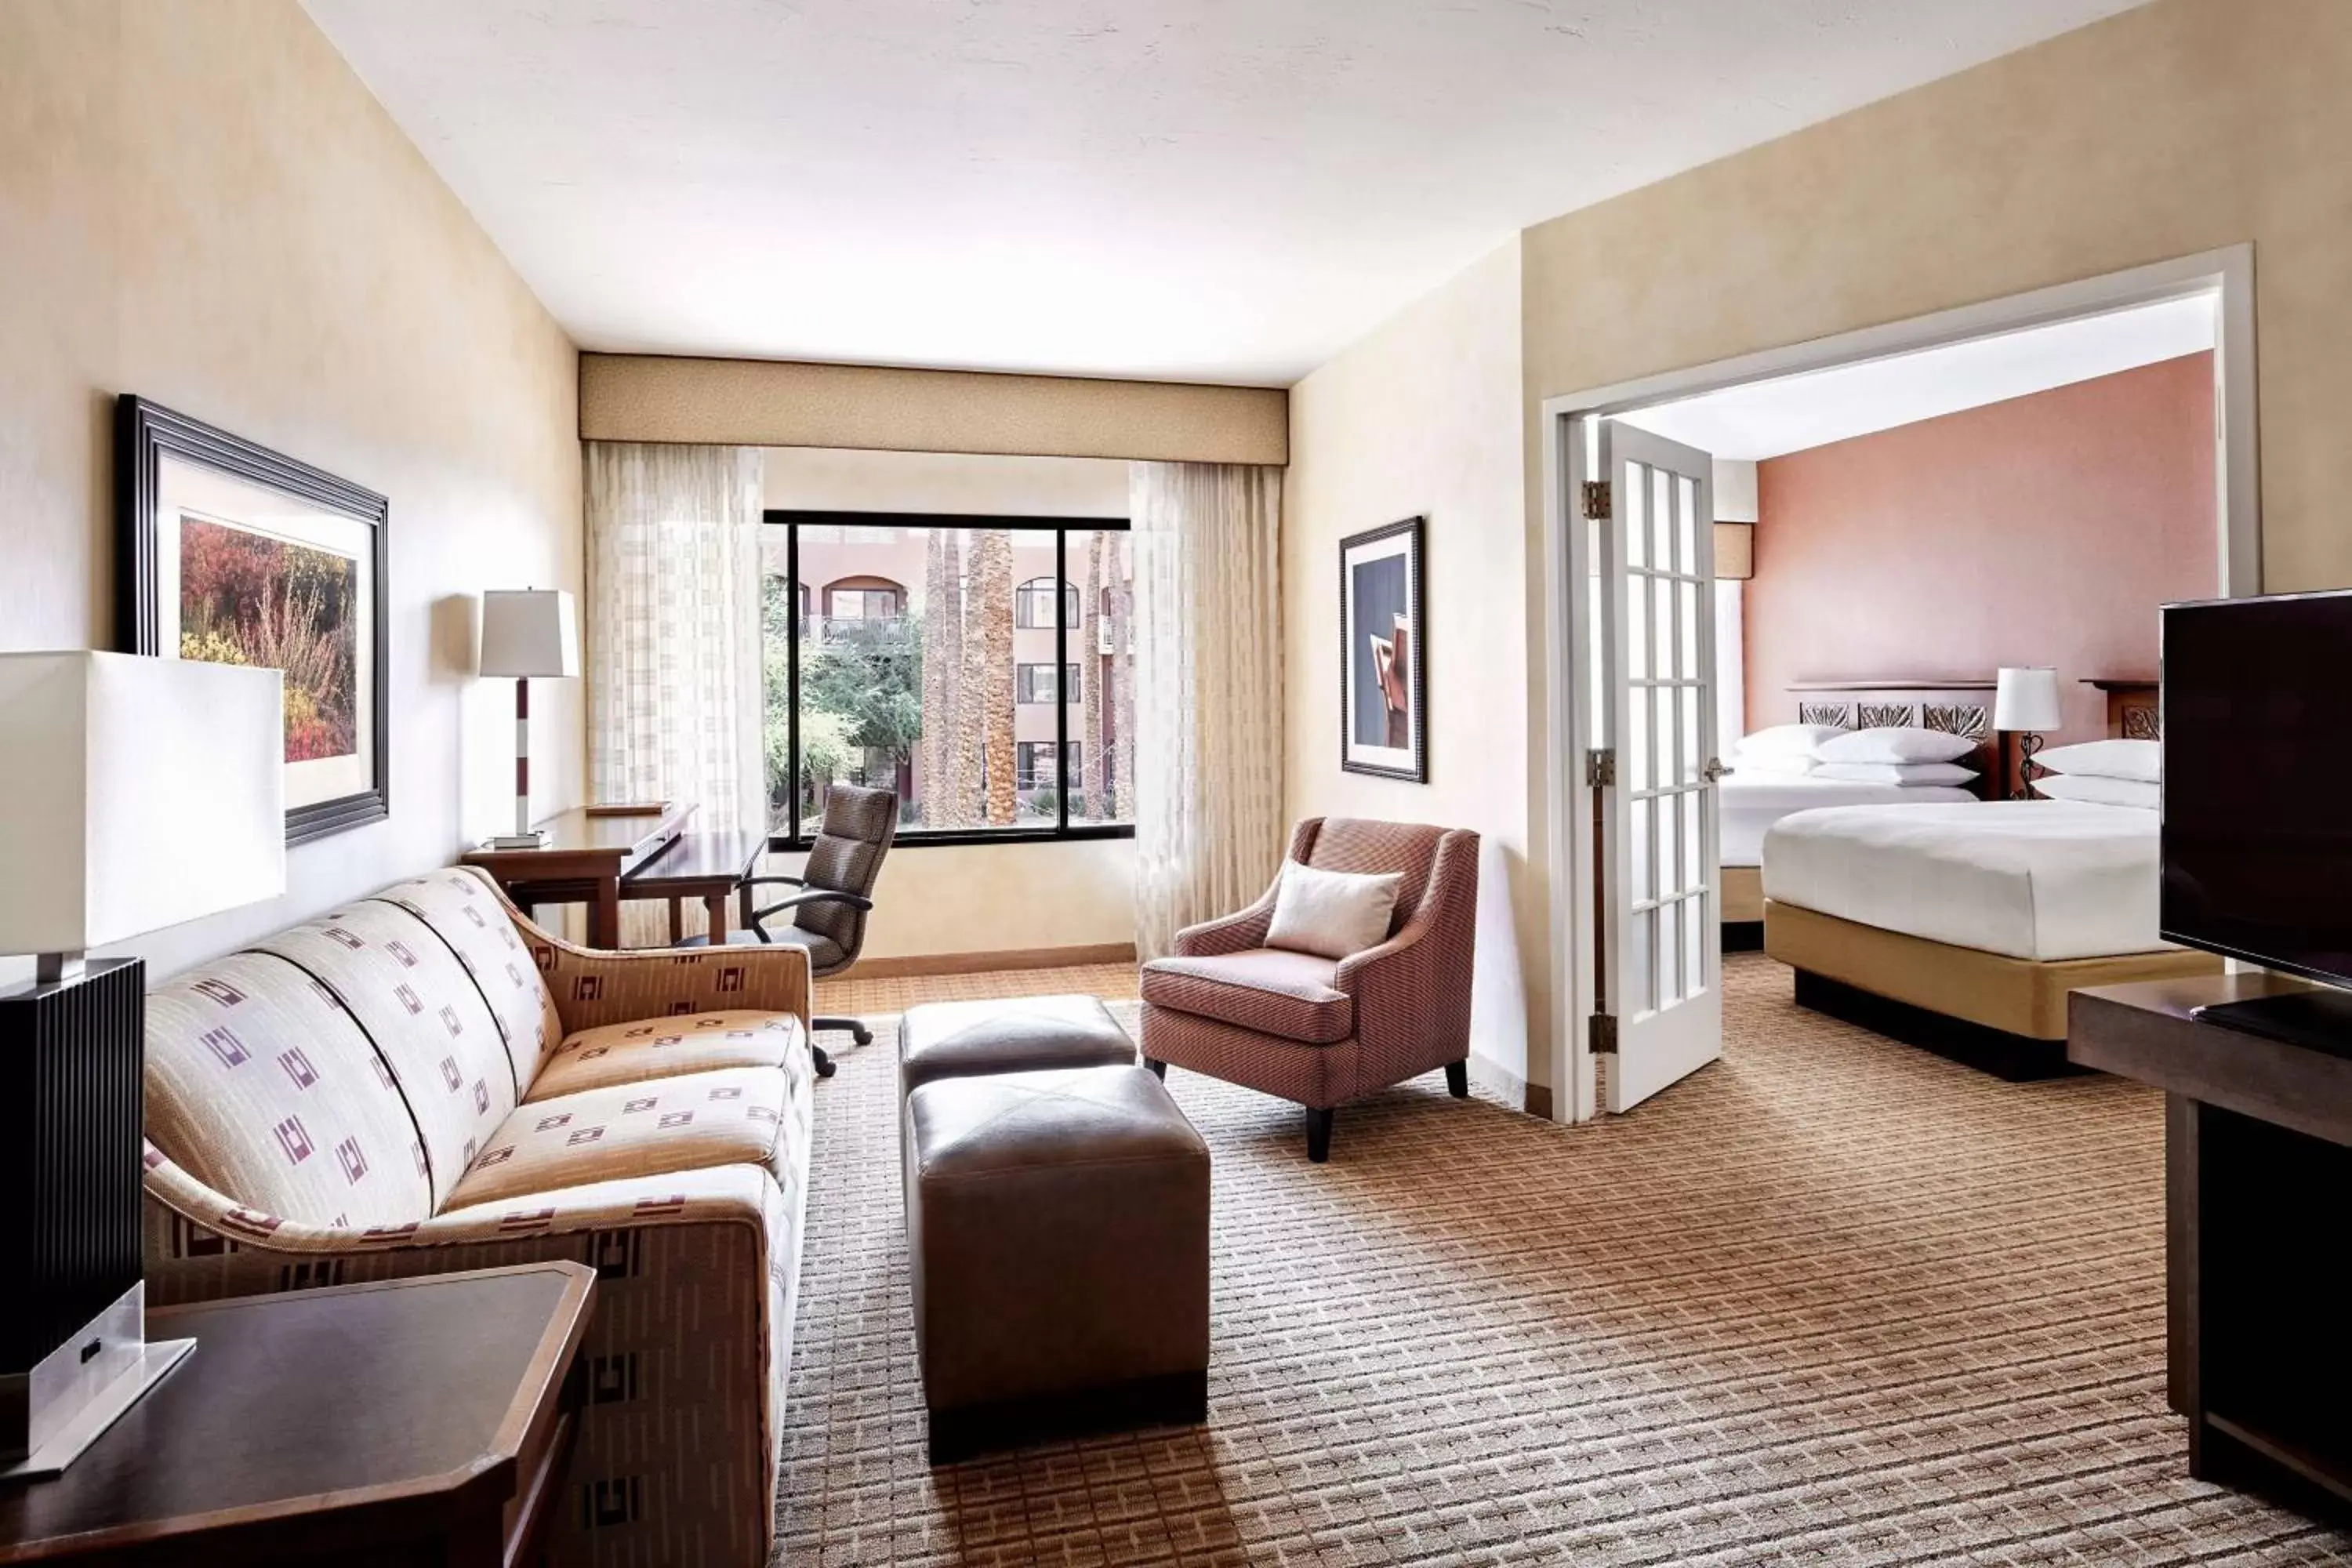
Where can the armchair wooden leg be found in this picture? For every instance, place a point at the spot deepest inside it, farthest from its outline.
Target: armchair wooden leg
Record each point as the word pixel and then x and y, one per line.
pixel 1318 1135
pixel 1457 1079
pixel 1158 1068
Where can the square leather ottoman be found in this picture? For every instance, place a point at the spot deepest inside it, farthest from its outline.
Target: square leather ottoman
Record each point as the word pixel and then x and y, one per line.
pixel 1058 1227
pixel 1023 1034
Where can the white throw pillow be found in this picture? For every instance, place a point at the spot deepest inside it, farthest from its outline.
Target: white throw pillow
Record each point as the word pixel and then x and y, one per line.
pixel 1771 765
pixel 1895 746
pixel 2139 760
pixel 1784 740
pixel 1911 773
pixel 1332 914
pixel 2101 790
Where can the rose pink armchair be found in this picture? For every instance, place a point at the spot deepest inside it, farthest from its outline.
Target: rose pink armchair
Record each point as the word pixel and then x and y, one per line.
pixel 1320 1032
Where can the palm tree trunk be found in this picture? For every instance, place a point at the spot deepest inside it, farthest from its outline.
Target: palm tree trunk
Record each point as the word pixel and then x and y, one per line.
pixel 991 684
pixel 943 675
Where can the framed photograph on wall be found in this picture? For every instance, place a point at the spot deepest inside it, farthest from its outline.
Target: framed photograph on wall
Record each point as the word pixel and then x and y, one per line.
pixel 1383 687
pixel 232 553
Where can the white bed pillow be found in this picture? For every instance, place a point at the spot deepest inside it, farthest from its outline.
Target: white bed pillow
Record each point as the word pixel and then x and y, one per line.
pixel 1895 746
pixel 1784 741
pixel 1332 914
pixel 2100 791
pixel 2142 760
pixel 1772 764
pixel 1895 772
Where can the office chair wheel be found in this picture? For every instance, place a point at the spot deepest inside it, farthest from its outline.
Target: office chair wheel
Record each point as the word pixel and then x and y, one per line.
pixel 862 1035
pixel 825 1064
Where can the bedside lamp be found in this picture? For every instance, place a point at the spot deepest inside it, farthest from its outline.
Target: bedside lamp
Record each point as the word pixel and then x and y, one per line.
pixel 528 632
pixel 2025 703
pixel 142 793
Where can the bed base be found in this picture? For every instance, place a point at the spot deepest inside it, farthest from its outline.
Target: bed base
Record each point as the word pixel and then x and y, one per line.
pixel 1743 909
pixel 2015 1008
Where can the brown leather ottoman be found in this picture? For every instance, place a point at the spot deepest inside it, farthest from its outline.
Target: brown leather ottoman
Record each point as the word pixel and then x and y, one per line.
pixel 1022 1034
pixel 1058 1228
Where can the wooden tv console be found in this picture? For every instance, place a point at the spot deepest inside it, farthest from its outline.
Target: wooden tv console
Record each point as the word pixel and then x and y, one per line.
pixel 2258 1230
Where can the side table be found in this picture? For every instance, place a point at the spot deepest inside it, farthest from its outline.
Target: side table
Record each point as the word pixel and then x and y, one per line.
pixel 420 1420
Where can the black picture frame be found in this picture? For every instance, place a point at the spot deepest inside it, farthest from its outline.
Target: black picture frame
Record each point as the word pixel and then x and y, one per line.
pixel 1413 530
pixel 145 433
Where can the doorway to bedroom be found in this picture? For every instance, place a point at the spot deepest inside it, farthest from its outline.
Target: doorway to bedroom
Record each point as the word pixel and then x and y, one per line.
pixel 1949 535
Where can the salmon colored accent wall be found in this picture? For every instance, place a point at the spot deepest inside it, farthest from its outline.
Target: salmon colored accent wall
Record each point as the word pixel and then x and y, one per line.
pixel 2044 530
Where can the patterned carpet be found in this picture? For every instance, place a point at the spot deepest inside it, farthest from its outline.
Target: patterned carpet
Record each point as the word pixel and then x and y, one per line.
pixel 1831 1301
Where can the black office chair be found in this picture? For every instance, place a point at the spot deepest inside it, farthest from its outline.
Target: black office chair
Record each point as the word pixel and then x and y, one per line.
pixel 828 915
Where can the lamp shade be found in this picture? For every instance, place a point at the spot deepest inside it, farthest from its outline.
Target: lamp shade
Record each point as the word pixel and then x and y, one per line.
pixel 142 792
pixel 2026 700
pixel 530 632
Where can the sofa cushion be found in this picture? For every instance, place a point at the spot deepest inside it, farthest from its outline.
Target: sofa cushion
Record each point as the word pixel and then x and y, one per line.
pixel 1274 992
pixel 261 1087
pixel 467 917
pixel 426 1019
pixel 665 1047
pixel 734 1117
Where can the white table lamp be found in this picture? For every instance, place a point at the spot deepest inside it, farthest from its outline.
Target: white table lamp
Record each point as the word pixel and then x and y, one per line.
pixel 142 793
pixel 527 633
pixel 2025 701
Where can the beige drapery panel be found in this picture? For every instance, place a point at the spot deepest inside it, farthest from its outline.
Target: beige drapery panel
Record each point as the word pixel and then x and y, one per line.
pixel 673 634
pixel 1209 831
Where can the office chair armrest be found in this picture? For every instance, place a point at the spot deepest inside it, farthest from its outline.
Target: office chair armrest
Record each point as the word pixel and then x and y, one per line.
pixel 763 881
pixel 758 922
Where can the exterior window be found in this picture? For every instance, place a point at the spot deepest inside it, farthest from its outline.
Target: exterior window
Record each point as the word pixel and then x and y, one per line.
pixel 1037 683
pixel 924 655
pixel 1032 607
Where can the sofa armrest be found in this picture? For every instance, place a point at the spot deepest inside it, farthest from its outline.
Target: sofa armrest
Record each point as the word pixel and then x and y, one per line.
pixel 1413 991
pixel 593 987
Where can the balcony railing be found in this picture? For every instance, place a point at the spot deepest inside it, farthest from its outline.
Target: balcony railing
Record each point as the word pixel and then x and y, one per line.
pixel 822 629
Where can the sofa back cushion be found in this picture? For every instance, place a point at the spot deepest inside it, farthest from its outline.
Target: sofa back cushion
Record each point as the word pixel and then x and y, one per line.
pixel 472 922
pixel 261 1086
pixel 427 1020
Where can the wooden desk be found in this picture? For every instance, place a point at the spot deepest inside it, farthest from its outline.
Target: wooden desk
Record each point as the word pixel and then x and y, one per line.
pixel 712 866
pixel 425 1420
pixel 583 861
pixel 2257 1157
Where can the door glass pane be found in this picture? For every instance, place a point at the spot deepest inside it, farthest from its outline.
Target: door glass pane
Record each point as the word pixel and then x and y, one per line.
pixel 1694 912
pixel 1636 752
pixel 1669 762
pixel 1637 840
pixel 1640 956
pixel 1670 949
pixel 1661 614
pixel 1687 515
pixel 1668 835
pixel 1637 514
pixel 1688 700
pixel 1637 629
pixel 1690 670
pixel 1693 805
pixel 1661 530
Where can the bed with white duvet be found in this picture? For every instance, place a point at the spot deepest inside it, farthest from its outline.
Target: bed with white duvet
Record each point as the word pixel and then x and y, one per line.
pixel 2039 880
pixel 1752 801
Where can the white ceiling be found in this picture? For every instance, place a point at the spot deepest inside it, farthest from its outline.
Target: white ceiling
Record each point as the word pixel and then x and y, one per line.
pixel 1214 190
pixel 1770 418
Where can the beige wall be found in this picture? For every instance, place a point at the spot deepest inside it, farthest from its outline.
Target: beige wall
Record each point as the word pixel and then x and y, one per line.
pixel 201 203
pixel 767 403
pixel 1423 417
pixel 989 898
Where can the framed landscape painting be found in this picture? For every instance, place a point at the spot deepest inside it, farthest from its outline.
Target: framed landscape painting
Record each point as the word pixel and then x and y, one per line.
pixel 1383 696
pixel 232 553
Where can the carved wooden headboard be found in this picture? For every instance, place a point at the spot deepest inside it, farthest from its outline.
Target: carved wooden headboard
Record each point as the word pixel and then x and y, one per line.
pixel 1954 706
pixel 2135 708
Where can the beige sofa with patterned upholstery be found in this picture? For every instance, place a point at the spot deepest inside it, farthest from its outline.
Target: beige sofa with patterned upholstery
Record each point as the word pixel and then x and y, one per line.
pixel 423 1080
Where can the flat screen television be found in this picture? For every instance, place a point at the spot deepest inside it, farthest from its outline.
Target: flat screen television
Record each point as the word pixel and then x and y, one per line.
pixel 2257 834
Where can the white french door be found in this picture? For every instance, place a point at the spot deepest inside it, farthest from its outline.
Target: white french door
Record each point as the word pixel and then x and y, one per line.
pixel 1650 549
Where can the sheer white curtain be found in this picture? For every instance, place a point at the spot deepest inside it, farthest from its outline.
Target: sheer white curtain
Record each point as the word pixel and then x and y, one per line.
pixel 674 655
pixel 1209 833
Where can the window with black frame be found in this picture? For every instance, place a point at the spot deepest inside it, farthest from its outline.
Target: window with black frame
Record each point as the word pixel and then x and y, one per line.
pixel 923 653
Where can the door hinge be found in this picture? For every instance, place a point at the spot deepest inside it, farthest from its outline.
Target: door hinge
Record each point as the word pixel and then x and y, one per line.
pixel 1597 508
pixel 1600 768
pixel 1604 1034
